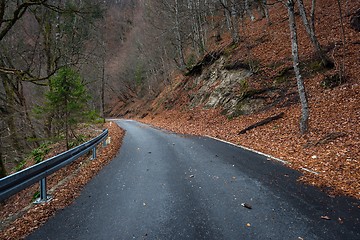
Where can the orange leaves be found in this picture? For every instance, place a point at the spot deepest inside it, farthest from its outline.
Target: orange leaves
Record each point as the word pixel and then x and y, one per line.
pixel 336 160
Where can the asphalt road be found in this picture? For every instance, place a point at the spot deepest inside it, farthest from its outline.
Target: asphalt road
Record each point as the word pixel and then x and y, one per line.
pixel 167 186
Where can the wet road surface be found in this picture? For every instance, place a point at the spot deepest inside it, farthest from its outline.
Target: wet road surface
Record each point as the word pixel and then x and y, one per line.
pixel 168 186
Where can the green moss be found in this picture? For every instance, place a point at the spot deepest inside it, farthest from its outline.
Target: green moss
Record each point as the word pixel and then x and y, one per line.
pixel 191 61
pixel 238 109
pixel 284 75
pixel 331 81
pixel 316 66
pixel 230 117
pixel 230 49
pixel 254 65
pixel 244 85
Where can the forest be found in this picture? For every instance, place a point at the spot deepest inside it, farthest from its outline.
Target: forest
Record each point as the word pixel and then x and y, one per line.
pixel 277 76
pixel 69 62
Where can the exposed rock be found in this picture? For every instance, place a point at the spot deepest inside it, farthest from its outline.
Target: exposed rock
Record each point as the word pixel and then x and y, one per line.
pixel 248 106
pixel 219 85
pixel 208 59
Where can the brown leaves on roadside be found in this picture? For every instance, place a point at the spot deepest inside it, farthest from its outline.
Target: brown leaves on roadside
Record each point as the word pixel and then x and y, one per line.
pixel 72 178
pixel 337 110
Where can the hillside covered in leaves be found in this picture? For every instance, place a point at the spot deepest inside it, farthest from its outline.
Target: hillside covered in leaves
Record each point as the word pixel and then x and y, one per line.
pixel 235 85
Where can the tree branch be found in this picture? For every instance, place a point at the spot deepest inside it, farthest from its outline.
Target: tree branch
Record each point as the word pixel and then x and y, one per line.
pixel 18 13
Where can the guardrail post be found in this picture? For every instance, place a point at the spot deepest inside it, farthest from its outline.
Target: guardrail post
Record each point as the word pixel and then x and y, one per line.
pixel 93 153
pixel 43 194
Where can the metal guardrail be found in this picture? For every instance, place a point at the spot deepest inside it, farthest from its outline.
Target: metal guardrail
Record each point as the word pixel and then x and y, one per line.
pixel 18 181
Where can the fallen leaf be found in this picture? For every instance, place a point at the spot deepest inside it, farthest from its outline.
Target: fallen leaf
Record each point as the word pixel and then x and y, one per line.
pixel 246 205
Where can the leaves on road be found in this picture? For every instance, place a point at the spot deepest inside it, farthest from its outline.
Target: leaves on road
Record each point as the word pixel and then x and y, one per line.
pixel 325 217
pixel 246 205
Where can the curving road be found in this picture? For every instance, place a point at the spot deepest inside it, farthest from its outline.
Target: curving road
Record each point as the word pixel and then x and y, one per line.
pixel 167 186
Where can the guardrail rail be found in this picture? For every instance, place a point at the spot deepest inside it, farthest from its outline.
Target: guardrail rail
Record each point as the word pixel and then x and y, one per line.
pixel 18 181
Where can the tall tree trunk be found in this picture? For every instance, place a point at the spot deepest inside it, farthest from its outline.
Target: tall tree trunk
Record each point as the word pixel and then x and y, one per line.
pixel 343 39
pixel 200 28
pixel 102 105
pixel 47 34
pixel 232 19
pixel 67 130
pixel 179 38
pixel 227 14
pixel 235 22
pixel 304 121
pixel 26 116
pixel 2 168
pixel 10 119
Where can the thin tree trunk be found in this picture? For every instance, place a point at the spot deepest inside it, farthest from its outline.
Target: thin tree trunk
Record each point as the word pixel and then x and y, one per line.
pixel 32 131
pixel 304 121
pixel 343 38
pixel 47 34
pixel 195 26
pixel 266 11
pixel 2 165
pixel 9 119
pixel 234 23
pixel 232 16
pixel 312 14
pixel 102 106
pixel 178 37
pixel 201 30
pixel 310 30
pixel 227 14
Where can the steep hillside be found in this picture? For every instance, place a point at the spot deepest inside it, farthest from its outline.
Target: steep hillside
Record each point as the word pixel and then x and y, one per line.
pixel 235 86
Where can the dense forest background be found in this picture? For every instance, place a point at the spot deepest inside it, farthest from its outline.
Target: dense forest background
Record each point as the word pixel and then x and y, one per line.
pixel 64 62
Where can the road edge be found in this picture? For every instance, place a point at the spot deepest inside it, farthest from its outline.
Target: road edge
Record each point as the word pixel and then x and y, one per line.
pixel 261 153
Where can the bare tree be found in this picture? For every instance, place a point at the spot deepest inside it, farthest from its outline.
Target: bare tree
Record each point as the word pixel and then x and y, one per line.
pixel 232 18
pixel 52 32
pixel 15 12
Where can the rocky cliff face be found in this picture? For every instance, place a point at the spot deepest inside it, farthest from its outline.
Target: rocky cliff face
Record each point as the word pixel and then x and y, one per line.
pixel 228 86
